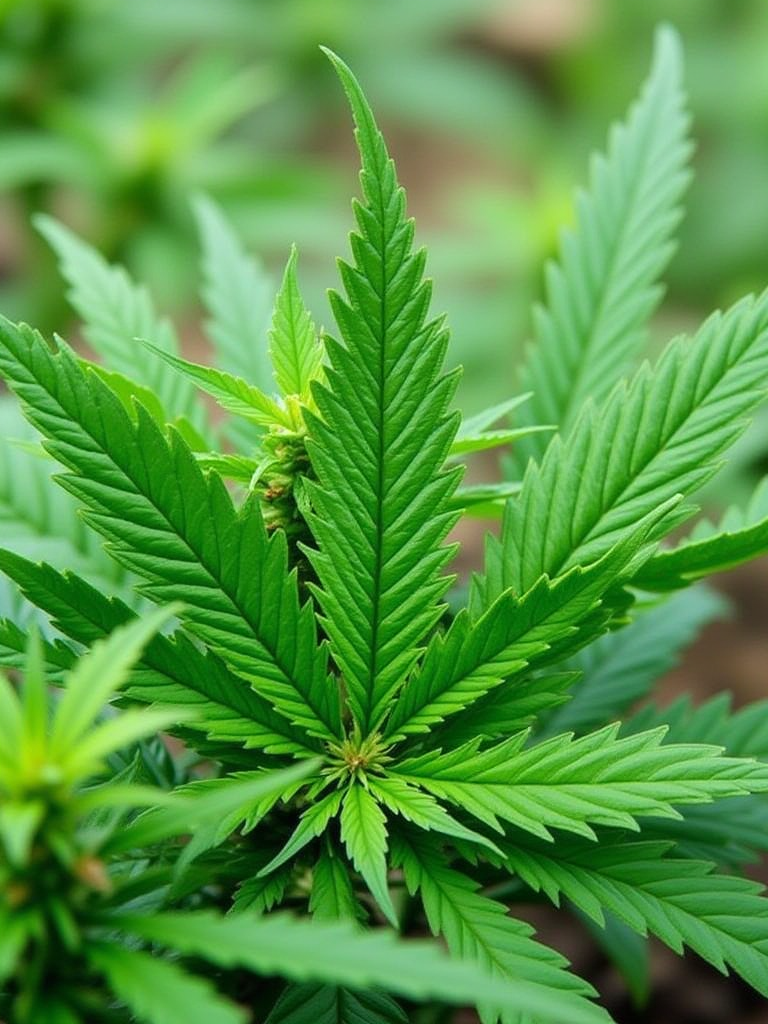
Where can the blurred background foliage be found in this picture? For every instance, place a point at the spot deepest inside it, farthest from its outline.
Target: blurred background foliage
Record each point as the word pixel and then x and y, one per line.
pixel 113 114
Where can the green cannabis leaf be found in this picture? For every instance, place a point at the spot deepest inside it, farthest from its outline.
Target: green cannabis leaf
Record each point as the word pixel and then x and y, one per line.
pixel 603 288
pixel 346 735
pixel 379 445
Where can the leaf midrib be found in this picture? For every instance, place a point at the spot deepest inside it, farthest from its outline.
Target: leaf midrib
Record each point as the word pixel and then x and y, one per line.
pixel 383 331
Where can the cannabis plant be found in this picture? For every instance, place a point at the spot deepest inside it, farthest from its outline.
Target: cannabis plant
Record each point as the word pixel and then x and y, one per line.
pixel 73 910
pixel 412 761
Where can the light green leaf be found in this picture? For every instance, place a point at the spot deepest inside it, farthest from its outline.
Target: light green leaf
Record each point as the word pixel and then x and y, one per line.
pixel 118 794
pixel 11 726
pixel 471 426
pixel 296 352
pixel 313 823
pixel 14 932
pixel 479 930
pixel 117 312
pixel 201 805
pixel 19 821
pixel 118 733
pixel 364 833
pixel 711 547
pixel 341 953
pixel 98 675
pixel 484 500
pixel 468 443
pixel 35 698
pixel 723 918
pixel 661 434
pixel 238 296
pixel 475 434
pixel 39 519
pixel 232 393
pixel 233 467
pixel 602 291
pixel 128 391
pixel 422 809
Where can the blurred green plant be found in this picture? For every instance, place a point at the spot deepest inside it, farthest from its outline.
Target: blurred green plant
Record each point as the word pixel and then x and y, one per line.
pixel 81 893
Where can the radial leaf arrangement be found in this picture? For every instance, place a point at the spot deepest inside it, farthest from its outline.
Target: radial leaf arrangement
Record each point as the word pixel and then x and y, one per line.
pixel 356 746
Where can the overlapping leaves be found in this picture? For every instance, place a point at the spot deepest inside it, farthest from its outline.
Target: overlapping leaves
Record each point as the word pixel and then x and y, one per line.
pixel 421 725
pixel 177 528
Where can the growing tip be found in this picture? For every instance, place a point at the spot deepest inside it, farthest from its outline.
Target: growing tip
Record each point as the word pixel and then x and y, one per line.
pixel 668 47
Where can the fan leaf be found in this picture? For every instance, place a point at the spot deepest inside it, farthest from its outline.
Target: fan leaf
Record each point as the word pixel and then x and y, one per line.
pixel 342 954
pixel 364 833
pixel 514 634
pixel 160 992
pixel 711 547
pixel 172 671
pixel 178 529
pixel 296 353
pixel 117 313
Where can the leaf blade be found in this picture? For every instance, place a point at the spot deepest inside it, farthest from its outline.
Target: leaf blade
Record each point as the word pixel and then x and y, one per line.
pixel 723 918
pixel 364 833
pixel 660 434
pixel 604 286
pixel 380 503
pixel 117 312
pixel 478 929
pixel 158 991
pixel 296 353
pixel 567 783
pixel 341 953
